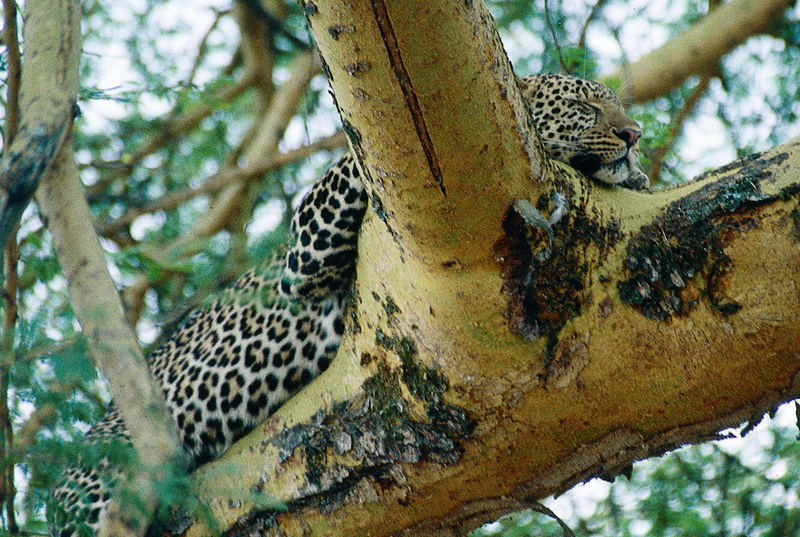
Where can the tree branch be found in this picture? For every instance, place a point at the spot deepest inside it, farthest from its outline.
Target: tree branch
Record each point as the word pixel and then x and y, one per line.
pixel 676 125
pixel 699 50
pixel 433 401
pixel 46 117
pixel 112 342
pixel 596 8
pixel 10 33
pixel 50 83
pixel 555 37
pixel 202 48
pixel 227 204
pixel 173 127
pixel 541 429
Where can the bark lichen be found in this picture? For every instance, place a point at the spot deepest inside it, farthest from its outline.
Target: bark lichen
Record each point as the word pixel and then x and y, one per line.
pixel 689 239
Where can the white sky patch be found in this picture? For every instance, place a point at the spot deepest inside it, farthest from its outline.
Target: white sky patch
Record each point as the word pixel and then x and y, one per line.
pixel 704 145
pixel 640 527
pixel 145 223
pixel 146 329
pixel 777 470
pixel 266 218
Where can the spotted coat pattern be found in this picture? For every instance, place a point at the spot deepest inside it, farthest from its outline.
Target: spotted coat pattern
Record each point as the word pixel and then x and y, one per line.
pixel 237 359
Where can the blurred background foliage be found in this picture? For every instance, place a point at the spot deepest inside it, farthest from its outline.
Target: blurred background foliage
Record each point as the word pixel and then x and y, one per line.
pixel 177 97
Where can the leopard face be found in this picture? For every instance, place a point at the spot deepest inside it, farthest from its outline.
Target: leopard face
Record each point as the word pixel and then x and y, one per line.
pixel 582 123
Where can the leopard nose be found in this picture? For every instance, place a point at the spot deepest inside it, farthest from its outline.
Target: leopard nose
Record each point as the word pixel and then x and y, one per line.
pixel 629 136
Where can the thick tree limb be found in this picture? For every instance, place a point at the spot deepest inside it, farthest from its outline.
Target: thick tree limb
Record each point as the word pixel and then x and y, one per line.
pixel 699 50
pixel 434 403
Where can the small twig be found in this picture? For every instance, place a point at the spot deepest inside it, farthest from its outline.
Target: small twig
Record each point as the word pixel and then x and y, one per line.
pixel 173 126
pixel 203 47
pixel 592 14
pixel 539 508
pixel 44 350
pixel 555 38
pixel 43 415
pixel 7 489
pixel 10 290
pixel 257 9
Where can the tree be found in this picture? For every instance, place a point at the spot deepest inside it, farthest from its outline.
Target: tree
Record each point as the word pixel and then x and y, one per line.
pixel 437 416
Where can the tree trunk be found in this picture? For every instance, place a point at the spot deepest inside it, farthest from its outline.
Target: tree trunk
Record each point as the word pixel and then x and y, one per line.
pixel 484 365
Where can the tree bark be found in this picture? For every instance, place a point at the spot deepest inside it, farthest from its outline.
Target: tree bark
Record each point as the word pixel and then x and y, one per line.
pixel 480 372
pixel 52 43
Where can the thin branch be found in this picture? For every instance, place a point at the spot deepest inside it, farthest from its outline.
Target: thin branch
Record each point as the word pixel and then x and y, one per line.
pixel 13 69
pixel 225 208
pixel 42 416
pixel 219 181
pixel 173 126
pixel 282 109
pixel 10 291
pixel 255 53
pixel 540 508
pixel 256 8
pixel 11 286
pixel 41 351
pixel 676 125
pixel 202 48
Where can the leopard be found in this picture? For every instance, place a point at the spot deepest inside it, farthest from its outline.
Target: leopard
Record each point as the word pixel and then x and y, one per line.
pixel 583 123
pixel 236 359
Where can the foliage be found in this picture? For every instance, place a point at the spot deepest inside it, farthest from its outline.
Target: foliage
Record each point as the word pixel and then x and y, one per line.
pixel 145 72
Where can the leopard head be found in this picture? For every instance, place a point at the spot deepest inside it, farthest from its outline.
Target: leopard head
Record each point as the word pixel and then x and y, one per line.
pixel 582 123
